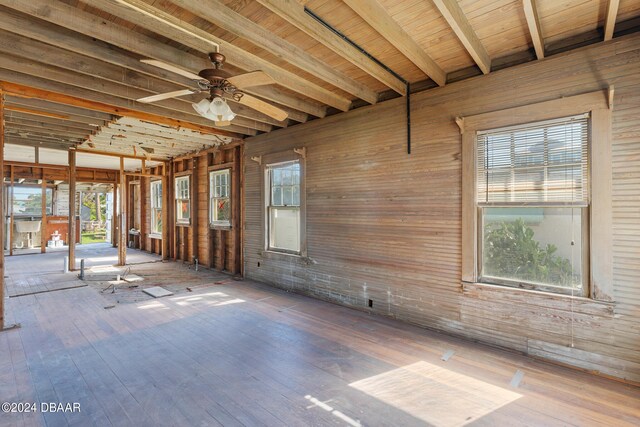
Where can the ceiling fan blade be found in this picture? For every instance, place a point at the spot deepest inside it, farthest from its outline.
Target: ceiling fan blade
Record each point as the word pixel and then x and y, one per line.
pixel 172 68
pixel 255 78
pixel 161 96
pixel 263 107
pixel 225 123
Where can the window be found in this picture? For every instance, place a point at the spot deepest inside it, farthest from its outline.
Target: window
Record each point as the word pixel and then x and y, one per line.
pixel 536 197
pixel 283 207
pixel 28 201
pixel 219 198
pixel 532 200
pixel 183 202
pixel 156 207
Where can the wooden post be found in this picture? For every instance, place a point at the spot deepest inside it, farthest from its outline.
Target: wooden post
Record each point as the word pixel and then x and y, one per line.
pixel 72 209
pixel 10 205
pixel 2 228
pixel 143 208
pixel 114 215
pixel 165 212
pixel 194 210
pixel 123 232
pixel 43 224
pixel 236 222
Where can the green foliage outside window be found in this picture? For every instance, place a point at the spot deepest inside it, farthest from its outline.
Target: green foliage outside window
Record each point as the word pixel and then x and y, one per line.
pixel 511 252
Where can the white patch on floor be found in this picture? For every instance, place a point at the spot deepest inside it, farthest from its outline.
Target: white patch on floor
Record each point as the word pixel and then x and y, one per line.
pixel 157 292
pixel 436 395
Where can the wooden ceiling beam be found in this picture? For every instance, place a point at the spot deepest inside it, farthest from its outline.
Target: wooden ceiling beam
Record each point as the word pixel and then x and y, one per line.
pixel 533 22
pixel 379 19
pixel 293 12
pixel 69 40
pixel 68 112
pixel 18 121
pixel 165 24
pixel 76 101
pixel 455 17
pixel 610 18
pixel 149 141
pixel 222 16
pixel 37 115
pixel 24 78
pixel 167 107
pixel 33 142
pixel 142 85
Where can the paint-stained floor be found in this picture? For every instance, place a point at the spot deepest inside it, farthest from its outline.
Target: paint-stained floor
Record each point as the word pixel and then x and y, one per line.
pixel 240 353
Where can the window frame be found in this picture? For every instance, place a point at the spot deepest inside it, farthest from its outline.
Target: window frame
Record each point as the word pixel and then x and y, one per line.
pixel 153 208
pixel 268 161
pixel 212 199
pixel 597 222
pixel 179 219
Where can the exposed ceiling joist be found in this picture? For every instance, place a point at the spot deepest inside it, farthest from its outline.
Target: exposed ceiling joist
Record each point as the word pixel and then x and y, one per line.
pixel 127 94
pixel 218 13
pixel 454 15
pixel 293 12
pixel 169 26
pixel 62 98
pixel 66 111
pixel 610 18
pixel 378 18
pixel 533 22
pixel 131 84
pixel 97 49
pixel 35 142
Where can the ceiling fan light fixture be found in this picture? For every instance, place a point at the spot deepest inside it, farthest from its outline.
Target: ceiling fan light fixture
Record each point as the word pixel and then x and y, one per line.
pixel 202 107
pixel 219 107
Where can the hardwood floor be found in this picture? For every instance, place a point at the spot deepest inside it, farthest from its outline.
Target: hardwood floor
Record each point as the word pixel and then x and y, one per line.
pixel 242 353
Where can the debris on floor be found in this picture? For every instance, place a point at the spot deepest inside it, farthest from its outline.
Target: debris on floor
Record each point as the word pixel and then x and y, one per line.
pixel 157 292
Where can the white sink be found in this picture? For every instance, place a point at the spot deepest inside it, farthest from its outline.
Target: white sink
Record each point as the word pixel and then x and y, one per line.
pixel 28 226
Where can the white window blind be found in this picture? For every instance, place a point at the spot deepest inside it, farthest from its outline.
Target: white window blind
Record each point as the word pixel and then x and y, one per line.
pixel 543 162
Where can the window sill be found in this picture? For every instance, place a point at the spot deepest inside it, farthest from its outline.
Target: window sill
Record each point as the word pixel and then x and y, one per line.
pixel 220 227
pixel 287 256
pixel 183 224
pixel 506 294
pixel 155 236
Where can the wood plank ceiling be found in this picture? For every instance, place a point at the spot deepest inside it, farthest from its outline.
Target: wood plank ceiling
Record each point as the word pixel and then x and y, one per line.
pixel 70 49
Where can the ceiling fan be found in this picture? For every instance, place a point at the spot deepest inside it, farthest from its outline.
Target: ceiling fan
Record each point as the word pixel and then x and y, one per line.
pixel 220 86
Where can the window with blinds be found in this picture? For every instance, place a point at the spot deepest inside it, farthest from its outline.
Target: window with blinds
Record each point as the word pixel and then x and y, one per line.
pixel 532 199
pixel 545 162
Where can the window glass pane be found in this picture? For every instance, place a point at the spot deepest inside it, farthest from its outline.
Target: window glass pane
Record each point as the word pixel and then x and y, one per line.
pixel 222 209
pixel 277 196
pixel 183 210
pixel 533 245
pixel 284 228
pixel 287 196
pixel 28 201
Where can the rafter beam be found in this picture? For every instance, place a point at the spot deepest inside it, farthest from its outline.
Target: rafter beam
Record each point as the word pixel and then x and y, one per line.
pixel 377 16
pixel 293 12
pixel 19 90
pixel 33 68
pixel 454 15
pixel 169 26
pixel 533 22
pixel 36 29
pixel 222 16
pixel 610 18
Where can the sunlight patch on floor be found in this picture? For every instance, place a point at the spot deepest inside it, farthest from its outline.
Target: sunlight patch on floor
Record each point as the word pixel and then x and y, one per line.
pixel 436 395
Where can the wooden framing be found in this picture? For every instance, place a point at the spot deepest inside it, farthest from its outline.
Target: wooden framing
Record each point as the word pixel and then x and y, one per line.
pixel 293 12
pixel 610 18
pixel 166 205
pixel 122 229
pixel 601 243
pixel 29 92
pixel 452 12
pixel 43 226
pixel 72 210
pixel 376 16
pixel 533 22
pixel 224 17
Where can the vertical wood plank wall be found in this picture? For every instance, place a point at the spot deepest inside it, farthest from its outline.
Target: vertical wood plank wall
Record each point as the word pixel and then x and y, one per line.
pixel 218 248
pixel 386 226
